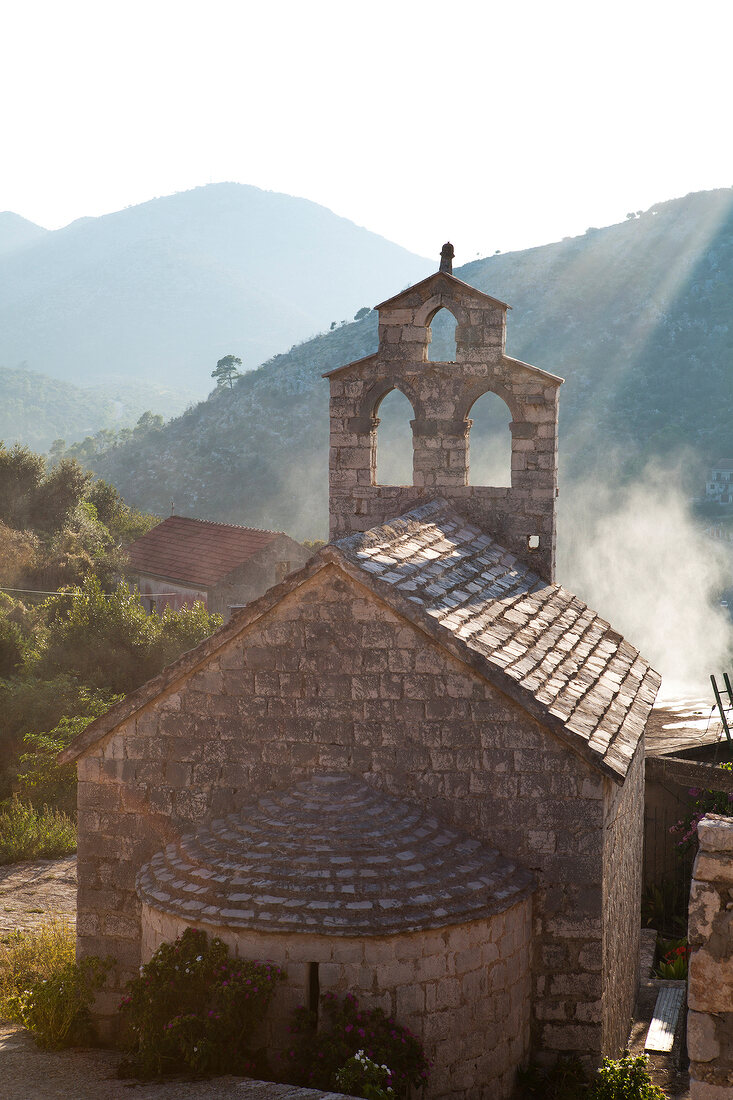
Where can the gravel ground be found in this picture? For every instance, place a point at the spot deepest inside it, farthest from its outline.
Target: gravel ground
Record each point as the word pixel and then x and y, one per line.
pixel 27 1073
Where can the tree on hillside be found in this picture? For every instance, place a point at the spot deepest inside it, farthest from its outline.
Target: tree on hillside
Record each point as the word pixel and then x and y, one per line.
pixel 226 371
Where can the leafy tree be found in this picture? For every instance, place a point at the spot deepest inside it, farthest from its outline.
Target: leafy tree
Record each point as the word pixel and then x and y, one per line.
pixel 21 473
pixel 226 371
pixel 124 524
pixel 361 313
pixel 18 550
pixel 148 422
pixel 58 494
pixel 11 647
pixel 108 640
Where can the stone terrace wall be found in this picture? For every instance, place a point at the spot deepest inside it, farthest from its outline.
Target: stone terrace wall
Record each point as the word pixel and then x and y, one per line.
pixel 624 844
pixel 332 679
pixel 463 991
pixel 710 994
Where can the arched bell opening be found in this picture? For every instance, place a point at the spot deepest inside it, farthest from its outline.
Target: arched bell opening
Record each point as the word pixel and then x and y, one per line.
pixel 490 442
pixel 394 442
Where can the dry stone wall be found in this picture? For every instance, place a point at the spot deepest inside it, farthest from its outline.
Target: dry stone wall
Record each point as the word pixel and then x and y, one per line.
pixel 331 679
pixel 710 993
pixel 464 991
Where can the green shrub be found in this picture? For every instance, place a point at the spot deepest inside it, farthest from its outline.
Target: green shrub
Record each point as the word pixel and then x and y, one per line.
pixel 196 1008
pixel 363 1077
pixel 40 780
pixel 27 957
pixel 625 1079
pixel 317 1055
pixel 109 641
pixel 28 833
pixel 56 1010
pixel 11 647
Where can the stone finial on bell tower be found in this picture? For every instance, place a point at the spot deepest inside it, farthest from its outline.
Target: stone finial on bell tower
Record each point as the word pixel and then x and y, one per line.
pixel 520 516
pixel 447 253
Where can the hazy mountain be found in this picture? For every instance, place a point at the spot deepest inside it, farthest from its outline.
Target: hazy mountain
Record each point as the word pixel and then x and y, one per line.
pixel 36 409
pixel 17 232
pixel 159 292
pixel 636 317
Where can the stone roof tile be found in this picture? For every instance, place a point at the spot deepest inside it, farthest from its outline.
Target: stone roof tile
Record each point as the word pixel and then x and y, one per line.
pixel 278 864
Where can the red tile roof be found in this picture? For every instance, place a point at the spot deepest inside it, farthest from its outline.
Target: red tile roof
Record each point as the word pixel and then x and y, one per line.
pixel 196 551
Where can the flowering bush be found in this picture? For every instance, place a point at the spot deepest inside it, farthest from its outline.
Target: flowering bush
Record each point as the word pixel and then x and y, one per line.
pixel 317 1056
pixel 674 957
pixel 195 1008
pixel 706 802
pixel 363 1077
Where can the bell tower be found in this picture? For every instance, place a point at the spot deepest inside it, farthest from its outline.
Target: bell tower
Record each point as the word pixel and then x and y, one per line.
pixel 521 517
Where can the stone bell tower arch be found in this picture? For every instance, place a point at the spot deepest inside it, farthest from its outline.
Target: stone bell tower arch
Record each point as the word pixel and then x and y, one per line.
pixel 522 516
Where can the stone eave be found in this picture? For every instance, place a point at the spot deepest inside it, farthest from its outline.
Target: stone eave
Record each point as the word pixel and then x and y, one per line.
pixel 555 378
pixel 353 363
pixel 184 581
pixel 452 281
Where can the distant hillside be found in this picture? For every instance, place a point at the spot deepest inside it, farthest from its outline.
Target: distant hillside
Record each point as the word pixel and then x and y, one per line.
pixel 636 317
pixel 36 409
pixel 17 232
pixel 159 292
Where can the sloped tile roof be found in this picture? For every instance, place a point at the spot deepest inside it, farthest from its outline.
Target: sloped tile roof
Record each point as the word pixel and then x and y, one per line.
pixel 331 855
pixel 554 655
pixel 536 642
pixel 194 550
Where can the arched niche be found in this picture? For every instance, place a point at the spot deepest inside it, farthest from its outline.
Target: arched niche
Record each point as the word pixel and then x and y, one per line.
pixel 394 445
pixel 490 442
pixel 441 346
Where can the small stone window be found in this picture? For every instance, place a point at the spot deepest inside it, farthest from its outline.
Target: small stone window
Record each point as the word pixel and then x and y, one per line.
pixel 533 542
pixel 314 989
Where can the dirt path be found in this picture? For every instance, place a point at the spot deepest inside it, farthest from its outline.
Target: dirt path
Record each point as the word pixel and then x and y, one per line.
pixel 27 1073
pixel 32 892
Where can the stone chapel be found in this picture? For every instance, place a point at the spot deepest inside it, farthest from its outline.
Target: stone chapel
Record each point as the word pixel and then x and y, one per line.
pixel 413 770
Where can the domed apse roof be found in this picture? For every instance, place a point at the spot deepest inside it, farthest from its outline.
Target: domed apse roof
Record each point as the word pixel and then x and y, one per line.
pixel 331 855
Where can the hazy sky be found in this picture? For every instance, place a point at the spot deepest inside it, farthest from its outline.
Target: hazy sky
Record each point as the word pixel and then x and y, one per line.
pixel 499 125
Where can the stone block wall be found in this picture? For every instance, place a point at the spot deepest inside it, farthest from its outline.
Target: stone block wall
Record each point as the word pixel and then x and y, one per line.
pixel 464 991
pixel 710 992
pixel 256 575
pixel 442 395
pixel 332 679
pixel 622 881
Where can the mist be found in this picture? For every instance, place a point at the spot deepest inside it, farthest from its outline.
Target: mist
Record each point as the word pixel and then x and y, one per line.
pixel 636 555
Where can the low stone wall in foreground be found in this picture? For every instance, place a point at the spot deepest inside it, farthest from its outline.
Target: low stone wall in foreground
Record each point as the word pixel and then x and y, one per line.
pixel 710 998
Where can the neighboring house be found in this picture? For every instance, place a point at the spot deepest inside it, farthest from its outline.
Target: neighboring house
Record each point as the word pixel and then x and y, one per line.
pixel 183 560
pixel 719 484
pixel 414 769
